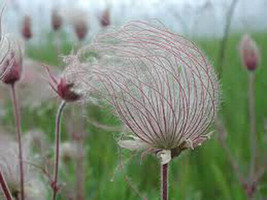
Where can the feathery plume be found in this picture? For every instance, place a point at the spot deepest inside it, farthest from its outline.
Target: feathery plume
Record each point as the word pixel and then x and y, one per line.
pixel 4 47
pixel 162 88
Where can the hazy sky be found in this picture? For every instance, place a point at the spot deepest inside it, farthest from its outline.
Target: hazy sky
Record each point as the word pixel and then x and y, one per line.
pixel 190 17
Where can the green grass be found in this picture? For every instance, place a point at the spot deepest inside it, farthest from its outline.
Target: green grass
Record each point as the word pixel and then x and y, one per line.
pixel 200 174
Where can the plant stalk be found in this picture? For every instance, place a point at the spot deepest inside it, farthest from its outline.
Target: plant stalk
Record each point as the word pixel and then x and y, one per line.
pixel 223 43
pixel 79 170
pixel 252 120
pixel 57 148
pixel 4 186
pixel 18 127
pixel 164 181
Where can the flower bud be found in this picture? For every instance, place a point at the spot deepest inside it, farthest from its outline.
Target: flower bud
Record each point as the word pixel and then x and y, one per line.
pixel 249 53
pixel 56 20
pixel 63 88
pixel 13 66
pixel 65 91
pixel 26 28
pixel 68 151
pixel 81 29
pixel 104 19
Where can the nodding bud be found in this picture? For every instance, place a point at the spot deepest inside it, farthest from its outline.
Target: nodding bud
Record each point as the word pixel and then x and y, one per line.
pixel 104 19
pixel 249 53
pixel 13 65
pixel 63 88
pixel 81 29
pixel 26 28
pixel 68 151
pixel 56 20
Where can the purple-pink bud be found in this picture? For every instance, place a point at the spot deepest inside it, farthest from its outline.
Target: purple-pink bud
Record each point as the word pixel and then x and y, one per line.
pixel 26 28
pixel 249 53
pixel 65 91
pixel 13 65
pixel 56 20
pixel 104 19
pixel 63 88
pixel 81 29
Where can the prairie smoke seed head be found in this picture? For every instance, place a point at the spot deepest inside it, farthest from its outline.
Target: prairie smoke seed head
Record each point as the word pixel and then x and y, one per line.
pixel 249 53
pixel 64 88
pixel 26 28
pixel 161 85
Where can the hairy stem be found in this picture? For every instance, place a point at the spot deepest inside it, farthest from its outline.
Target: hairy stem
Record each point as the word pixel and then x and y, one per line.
pixel 164 181
pixel 4 186
pixel 252 119
pixel 18 127
pixel 57 148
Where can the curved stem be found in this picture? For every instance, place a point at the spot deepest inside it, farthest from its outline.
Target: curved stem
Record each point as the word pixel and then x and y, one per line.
pixel 4 186
pixel 57 148
pixel 18 127
pixel 223 43
pixel 164 181
pixel 252 119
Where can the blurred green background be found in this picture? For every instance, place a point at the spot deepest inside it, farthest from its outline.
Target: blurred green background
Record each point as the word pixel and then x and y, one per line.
pixel 204 173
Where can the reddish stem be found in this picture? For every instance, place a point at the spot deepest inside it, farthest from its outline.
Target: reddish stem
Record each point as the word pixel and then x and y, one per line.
pixel 18 127
pixel 57 148
pixel 252 119
pixel 164 181
pixel 4 186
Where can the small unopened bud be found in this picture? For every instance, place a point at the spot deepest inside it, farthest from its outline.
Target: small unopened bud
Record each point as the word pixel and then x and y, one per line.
pixel 26 28
pixel 249 53
pixel 104 19
pixel 13 66
pixel 68 151
pixel 56 20
pixel 81 29
pixel 63 88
